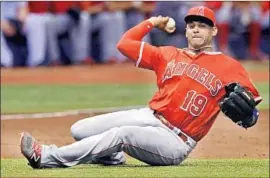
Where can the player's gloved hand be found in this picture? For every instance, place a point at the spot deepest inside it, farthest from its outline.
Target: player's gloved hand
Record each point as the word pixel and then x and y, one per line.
pixel 160 22
pixel 239 105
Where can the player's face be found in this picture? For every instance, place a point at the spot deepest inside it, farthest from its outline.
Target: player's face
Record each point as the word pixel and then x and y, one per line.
pixel 199 34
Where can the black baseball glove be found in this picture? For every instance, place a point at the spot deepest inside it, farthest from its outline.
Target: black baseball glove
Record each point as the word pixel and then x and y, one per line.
pixel 239 105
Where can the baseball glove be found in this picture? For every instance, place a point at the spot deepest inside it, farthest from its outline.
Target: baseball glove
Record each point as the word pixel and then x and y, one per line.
pixel 239 105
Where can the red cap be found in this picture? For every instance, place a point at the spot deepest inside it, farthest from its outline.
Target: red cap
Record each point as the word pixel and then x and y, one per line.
pixel 201 13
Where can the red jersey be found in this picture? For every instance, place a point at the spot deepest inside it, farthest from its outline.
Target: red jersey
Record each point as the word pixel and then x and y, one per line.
pixel 265 6
pixel 38 6
pixel 97 3
pixel 62 6
pixel 189 86
pixel 84 5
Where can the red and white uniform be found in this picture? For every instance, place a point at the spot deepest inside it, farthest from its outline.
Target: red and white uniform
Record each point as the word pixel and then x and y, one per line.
pixel 79 34
pixel 190 86
pixel 189 89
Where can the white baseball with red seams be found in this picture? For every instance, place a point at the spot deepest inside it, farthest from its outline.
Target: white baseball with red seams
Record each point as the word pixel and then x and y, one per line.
pixel 170 24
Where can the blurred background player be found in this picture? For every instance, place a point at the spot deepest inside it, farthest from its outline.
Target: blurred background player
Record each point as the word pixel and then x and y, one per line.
pixel 36 25
pixel 239 29
pixel 138 11
pixel 265 28
pixel 108 19
pixel 23 33
pixel 71 32
pixel 67 17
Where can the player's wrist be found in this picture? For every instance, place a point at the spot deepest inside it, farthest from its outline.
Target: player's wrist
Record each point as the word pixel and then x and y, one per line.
pixel 255 116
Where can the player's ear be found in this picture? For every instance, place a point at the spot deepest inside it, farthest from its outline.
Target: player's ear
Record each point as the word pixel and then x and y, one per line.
pixel 186 31
pixel 215 31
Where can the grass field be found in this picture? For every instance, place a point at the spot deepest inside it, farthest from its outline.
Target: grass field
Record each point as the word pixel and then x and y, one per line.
pixel 34 98
pixel 191 168
pixel 251 66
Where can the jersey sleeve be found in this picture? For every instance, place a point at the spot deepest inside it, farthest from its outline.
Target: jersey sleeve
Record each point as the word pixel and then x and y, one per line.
pixel 145 55
pixel 244 79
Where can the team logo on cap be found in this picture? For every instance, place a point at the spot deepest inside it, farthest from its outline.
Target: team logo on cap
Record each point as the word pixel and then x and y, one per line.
pixel 201 11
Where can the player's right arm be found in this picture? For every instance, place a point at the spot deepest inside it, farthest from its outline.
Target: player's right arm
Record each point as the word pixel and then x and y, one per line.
pixel 144 54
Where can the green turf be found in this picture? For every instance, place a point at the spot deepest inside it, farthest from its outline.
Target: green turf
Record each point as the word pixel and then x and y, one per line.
pixel 25 98
pixel 264 91
pixel 190 168
pixel 256 66
pixel 35 98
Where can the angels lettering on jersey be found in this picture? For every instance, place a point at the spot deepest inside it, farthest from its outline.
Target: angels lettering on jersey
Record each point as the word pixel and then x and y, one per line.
pixel 195 72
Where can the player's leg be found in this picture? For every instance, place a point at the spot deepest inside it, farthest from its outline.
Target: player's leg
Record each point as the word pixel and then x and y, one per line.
pixel 265 37
pixel 139 142
pixel 56 24
pixel 35 31
pixel 79 36
pixel 254 29
pixel 223 24
pixel 95 125
pixel 111 26
pixel 119 29
pixel 6 53
pixel 101 123
pixel 154 145
pixel 117 158
pixel 106 27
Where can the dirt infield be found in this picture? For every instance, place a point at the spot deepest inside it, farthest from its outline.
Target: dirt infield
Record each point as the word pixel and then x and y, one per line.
pixel 121 73
pixel 225 139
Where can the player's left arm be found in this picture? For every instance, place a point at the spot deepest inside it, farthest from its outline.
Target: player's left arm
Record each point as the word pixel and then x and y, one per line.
pixel 241 99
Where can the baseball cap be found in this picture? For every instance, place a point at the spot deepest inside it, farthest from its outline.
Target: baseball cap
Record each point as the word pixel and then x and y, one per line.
pixel 202 14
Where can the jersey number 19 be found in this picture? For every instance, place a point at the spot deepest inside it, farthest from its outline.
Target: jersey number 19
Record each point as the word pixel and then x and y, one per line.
pixel 194 103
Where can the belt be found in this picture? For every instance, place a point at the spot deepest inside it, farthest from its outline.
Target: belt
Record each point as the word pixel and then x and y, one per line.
pixel 188 140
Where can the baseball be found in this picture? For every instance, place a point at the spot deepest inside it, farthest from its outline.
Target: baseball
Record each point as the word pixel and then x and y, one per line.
pixel 170 24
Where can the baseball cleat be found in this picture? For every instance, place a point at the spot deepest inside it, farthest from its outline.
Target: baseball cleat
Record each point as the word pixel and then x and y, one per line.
pixel 31 149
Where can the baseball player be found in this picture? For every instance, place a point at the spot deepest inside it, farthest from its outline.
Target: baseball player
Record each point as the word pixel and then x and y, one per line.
pixel 30 21
pixel 244 25
pixel 265 24
pixel 66 18
pixel 108 14
pixel 194 85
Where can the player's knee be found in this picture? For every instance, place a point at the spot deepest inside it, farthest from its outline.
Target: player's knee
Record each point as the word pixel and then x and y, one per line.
pixel 75 132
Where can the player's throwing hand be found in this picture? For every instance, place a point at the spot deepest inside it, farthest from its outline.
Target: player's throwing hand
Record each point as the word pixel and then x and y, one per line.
pixel 160 22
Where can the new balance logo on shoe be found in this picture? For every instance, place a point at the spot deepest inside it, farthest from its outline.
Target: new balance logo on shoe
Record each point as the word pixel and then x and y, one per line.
pixel 35 157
